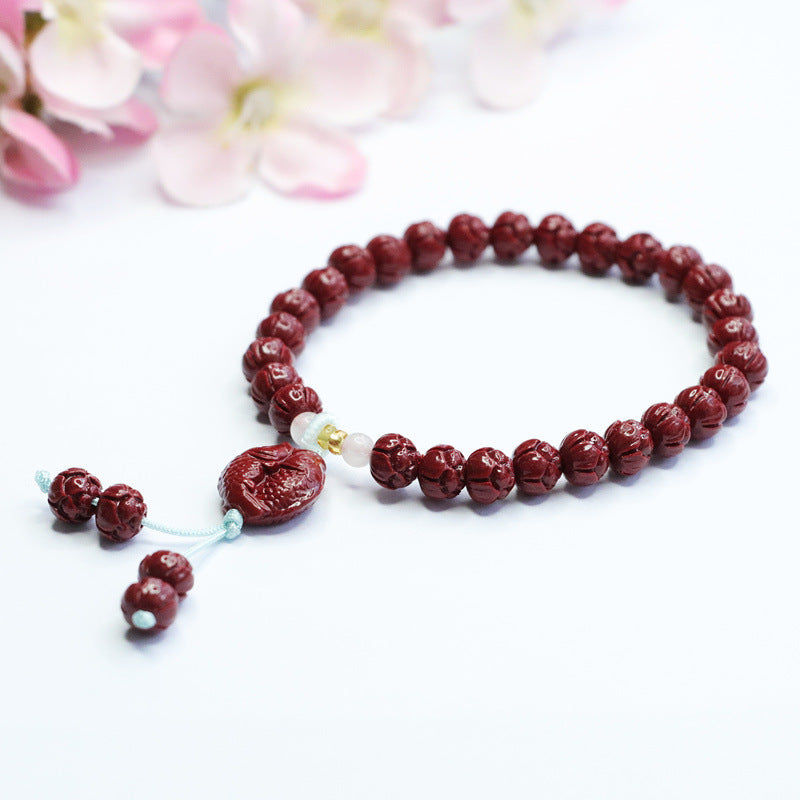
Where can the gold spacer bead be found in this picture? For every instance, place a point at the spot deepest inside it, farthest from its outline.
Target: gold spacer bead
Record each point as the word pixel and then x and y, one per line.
pixel 324 438
pixel 335 442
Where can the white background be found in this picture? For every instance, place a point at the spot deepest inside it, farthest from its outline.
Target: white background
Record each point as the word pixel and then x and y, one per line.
pixel 635 641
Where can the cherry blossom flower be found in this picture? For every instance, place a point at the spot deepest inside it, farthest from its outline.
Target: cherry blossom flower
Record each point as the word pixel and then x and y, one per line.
pixel 507 53
pixel 386 37
pixel 91 53
pixel 270 113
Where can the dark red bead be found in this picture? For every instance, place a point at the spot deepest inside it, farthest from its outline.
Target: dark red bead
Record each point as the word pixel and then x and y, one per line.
pixel 270 485
pixel 72 493
pixel 537 467
pixel 596 247
pixel 511 235
pixel 489 474
pixel 747 357
pixel 630 446
pixel 392 259
pixel 584 457
pixel 701 281
pixel 288 402
pixel 705 410
pixel 329 287
pixel 394 462
pixel 638 257
pixel 730 329
pixel 441 472
pixel 286 327
pixel 468 237
pixel 173 568
pixel 356 264
pixel 301 304
pixel 724 303
pixel 268 380
pixel 428 245
pixel 555 239
pixel 265 351
pixel 120 511
pixel 153 595
pixel 670 428
pixel 730 384
pixel 672 266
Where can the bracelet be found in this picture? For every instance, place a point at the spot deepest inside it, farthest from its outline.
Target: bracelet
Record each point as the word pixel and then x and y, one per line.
pixel 272 484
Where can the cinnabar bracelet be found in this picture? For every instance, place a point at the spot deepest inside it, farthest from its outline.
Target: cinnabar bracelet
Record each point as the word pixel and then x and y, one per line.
pixel 272 484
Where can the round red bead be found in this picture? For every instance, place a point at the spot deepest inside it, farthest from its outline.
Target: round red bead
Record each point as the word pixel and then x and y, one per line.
pixel 730 384
pixel 724 303
pixel 511 235
pixel 428 245
pixel 268 380
pixel 394 462
pixel 329 287
pixel 705 410
pixel 672 266
pixel 670 428
pixel 288 402
pixel 701 281
pixel 72 493
pixel 584 457
pixel 537 467
pixel 263 351
pixel 630 446
pixel 153 595
pixel 638 257
pixel 730 329
pixel 596 247
pixel 441 472
pixel 286 327
pixel 468 237
pixel 555 239
pixel 120 511
pixel 173 568
pixel 301 304
pixel 356 264
pixel 747 357
pixel 489 475
pixel 392 259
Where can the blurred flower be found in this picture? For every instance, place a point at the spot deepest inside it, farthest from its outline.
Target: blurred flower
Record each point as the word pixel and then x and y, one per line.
pixel 384 37
pixel 92 53
pixel 507 54
pixel 269 113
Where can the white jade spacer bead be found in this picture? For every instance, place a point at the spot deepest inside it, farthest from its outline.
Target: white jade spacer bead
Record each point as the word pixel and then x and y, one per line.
pixel 357 449
pixel 309 429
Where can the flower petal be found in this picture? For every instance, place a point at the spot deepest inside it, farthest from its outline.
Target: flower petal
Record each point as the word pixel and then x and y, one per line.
pixel 154 27
pixel 349 80
pixel 33 155
pixel 200 76
pixel 197 168
pixel 302 159
pixel 12 69
pixel 410 71
pixel 506 67
pixel 270 31
pixel 12 19
pixel 97 74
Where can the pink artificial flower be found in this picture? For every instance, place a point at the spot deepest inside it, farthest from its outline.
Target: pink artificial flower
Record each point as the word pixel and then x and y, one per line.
pixel 507 53
pixel 91 53
pixel 31 155
pixel 268 113
pixel 386 37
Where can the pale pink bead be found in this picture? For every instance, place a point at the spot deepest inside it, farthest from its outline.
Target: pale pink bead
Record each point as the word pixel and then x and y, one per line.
pixel 300 424
pixel 357 449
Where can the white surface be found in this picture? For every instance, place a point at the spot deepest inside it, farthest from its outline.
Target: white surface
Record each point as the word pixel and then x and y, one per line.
pixel 638 643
